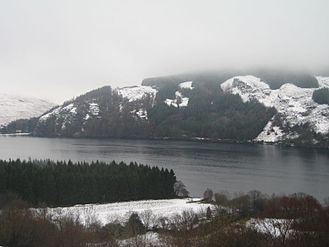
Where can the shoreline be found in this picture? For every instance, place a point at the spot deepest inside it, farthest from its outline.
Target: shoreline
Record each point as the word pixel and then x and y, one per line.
pixel 187 139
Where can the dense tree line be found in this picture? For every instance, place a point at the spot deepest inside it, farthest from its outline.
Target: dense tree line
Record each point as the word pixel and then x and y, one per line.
pixel 23 125
pixel 66 183
pixel 211 114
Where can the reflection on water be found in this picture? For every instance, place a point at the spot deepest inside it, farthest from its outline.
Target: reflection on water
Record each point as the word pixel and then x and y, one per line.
pixel 230 167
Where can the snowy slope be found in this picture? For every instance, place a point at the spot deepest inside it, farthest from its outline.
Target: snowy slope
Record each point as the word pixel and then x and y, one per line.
pixel 135 93
pixel 186 85
pixel 67 113
pixel 294 104
pixel 120 211
pixel 17 107
pixel 133 98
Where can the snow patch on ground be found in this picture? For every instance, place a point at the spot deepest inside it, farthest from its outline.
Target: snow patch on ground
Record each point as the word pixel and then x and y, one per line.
pixel 270 133
pixel 17 134
pixel 293 103
pixel 135 93
pixel 121 211
pixel 54 112
pixel 150 239
pixel 323 81
pixel 186 85
pixel 249 88
pixel 274 227
pixel 94 109
pixel 17 107
pixel 179 101
pixel 141 113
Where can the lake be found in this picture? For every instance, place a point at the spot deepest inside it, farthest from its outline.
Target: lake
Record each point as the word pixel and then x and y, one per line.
pixel 221 167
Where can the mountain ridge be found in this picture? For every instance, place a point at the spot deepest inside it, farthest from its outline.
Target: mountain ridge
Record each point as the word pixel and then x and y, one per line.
pixel 240 108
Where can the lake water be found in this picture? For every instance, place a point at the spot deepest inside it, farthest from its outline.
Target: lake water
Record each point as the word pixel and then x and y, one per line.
pixel 221 167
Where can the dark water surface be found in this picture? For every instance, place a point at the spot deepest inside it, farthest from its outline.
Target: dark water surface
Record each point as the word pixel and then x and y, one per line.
pixel 222 167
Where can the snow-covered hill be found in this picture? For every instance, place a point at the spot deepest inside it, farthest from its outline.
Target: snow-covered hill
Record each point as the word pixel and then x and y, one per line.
pixel 295 106
pixel 190 109
pixel 17 107
pixel 66 113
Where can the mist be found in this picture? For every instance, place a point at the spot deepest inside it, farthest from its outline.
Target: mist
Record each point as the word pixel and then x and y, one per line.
pixel 59 49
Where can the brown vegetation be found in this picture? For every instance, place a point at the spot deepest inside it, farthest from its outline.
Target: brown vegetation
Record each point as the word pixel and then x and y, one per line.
pixel 299 220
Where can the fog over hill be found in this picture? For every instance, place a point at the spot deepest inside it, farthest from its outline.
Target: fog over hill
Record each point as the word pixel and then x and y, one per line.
pixel 59 50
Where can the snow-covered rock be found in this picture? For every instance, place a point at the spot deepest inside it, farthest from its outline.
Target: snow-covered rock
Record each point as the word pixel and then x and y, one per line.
pixel 17 107
pixel 294 104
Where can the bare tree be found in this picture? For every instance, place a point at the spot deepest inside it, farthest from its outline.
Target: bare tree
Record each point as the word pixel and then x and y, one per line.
pixel 208 195
pixel 147 218
pixel 180 189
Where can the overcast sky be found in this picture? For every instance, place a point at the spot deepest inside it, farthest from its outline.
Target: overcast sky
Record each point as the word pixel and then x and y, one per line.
pixel 61 48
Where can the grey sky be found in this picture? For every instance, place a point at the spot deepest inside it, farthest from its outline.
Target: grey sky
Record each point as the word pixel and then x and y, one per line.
pixel 59 49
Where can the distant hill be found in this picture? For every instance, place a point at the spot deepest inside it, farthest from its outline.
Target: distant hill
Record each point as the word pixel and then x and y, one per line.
pixel 274 78
pixel 17 107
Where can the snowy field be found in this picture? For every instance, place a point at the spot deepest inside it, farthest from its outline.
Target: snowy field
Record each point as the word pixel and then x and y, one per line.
pixel 120 212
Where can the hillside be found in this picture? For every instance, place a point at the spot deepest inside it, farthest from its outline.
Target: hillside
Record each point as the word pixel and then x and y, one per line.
pixel 287 108
pixel 16 107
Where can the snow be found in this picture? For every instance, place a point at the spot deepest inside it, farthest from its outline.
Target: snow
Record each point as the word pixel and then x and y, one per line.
pixel 270 133
pixel 293 103
pixel 149 239
pixel 87 117
pixel 17 107
pixel 184 102
pixel 141 113
pixel 323 81
pixel 274 227
pixel 17 134
pixel 121 211
pixel 54 112
pixel 94 109
pixel 186 85
pixel 179 101
pixel 67 112
pixel 135 93
pixel 249 88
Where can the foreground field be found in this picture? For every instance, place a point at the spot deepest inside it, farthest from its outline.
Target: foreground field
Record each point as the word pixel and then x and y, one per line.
pixel 121 211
